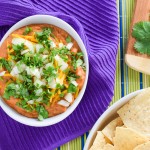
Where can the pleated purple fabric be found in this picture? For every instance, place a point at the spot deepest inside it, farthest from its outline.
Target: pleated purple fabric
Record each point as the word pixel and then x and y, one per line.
pixel 97 24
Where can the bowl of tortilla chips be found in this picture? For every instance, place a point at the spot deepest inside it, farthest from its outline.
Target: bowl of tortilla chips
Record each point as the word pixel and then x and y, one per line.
pixel 123 126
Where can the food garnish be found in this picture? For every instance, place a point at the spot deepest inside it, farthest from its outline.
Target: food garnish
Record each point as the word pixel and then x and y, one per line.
pixel 141 32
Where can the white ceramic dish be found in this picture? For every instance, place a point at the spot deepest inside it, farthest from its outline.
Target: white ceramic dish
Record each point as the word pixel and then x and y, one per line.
pixel 45 19
pixel 106 117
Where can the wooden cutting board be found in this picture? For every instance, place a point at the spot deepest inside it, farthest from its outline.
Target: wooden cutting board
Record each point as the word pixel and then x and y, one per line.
pixel 135 60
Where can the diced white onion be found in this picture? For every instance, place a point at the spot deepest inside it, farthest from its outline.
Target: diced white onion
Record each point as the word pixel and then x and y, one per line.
pixel 69 45
pixel 14 71
pixel 39 99
pixel 58 80
pixel 57 57
pixel 52 84
pixel 17 86
pixel 38 47
pixel 46 52
pixel 45 61
pixel 30 46
pixel 28 71
pixel 44 56
pixel 21 67
pixel 25 51
pixel 53 44
pixel 2 73
pixel 39 92
pixel 79 62
pixel 60 45
pixel 18 76
pixel 48 65
pixel 30 102
pixel 18 41
pixel 44 81
pixel 33 72
pixel 36 73
pixel 74 83
pixel 63 103
pixel 69 97
pixel 41 70
pixel 63 65
pixel 38 82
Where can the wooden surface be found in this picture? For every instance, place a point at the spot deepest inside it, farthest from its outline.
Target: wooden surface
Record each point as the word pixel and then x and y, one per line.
pixel 141 61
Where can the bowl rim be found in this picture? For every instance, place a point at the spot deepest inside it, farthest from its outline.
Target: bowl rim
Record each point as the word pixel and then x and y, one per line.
pixel 44 19
pixel 107 114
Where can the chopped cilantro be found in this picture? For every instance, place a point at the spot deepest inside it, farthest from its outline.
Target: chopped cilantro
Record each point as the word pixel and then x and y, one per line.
pixel 18 47
pixel 10 91
pixel 76 61
pixel 79 54
pixel 43 113
pixel 5 64
pixel 32 60
pixel 72 88
pixel 71 76
pixel 49 73
pixel 59 86
pixel 68 39
pixel 27 30
pixel 43 37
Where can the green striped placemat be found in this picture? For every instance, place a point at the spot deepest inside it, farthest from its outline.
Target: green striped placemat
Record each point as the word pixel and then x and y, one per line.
pixel 127 80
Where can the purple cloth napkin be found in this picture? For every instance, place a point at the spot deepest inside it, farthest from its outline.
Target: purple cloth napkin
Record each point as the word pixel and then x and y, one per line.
pixel 97 24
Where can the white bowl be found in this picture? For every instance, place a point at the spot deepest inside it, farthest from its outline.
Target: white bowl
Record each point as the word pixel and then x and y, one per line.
pixel 45 19
pixel 106 117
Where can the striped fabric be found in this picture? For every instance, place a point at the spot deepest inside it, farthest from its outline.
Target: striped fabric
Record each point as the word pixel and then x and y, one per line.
pixel 97 23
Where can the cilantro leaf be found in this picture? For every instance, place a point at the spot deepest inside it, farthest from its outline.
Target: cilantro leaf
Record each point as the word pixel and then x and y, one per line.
pixel 27 30
pixel 142 47
pixel 68 39
pixel 141 32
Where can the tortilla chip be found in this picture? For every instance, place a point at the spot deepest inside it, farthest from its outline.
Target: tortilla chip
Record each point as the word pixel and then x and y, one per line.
pixel 109 130
pixel 108 147
pixel 99 141
pixel 128 139
pixel 95 147
pixel 145 146
pixel 136 113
